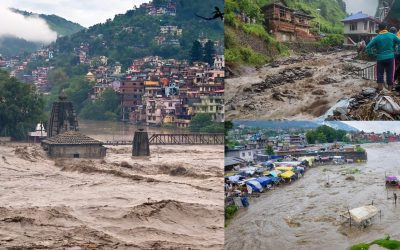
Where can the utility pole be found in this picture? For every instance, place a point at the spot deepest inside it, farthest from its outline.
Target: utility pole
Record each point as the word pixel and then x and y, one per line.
pixel 319 22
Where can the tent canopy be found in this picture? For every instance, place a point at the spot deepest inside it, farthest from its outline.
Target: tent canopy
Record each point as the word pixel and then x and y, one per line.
pixel 265 181
pixel 284 168
pixel 255 186
pixel 287 174
pixel 275 173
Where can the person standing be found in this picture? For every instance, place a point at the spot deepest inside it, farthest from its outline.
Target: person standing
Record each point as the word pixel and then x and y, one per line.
pixel 382 47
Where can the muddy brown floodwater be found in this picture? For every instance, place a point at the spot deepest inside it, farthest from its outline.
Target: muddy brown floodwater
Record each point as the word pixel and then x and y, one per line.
pixel 304 215
pixel 171 200
pixel 310 97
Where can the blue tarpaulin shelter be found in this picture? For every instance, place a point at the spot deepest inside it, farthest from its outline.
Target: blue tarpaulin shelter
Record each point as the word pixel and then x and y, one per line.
pixel 255 186
pixel 265 181
pixel 234 179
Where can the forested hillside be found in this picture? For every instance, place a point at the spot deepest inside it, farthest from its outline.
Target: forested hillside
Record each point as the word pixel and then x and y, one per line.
pixel 131 35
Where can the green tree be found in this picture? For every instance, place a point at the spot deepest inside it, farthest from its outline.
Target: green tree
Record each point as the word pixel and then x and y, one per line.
pixel 269 150
pixel 107 107
pixel 21 107
pixel 78 92
pixel 311 136
pixel 196 52
pixel 228 126
pixel 321 138
pixel 209 52
pixel 200 121
pixel 57 79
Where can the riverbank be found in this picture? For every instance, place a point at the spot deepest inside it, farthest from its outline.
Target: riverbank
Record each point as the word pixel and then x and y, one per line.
pixel 305 214
pixel 170 200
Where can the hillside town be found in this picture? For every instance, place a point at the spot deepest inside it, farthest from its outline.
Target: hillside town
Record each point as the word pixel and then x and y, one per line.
pixel 153 91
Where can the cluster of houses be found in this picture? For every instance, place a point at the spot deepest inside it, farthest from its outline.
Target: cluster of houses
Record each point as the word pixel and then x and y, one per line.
pixel 253 145
pixel 160 91
pixel 374 137
pixel 157 91
pixel 169 35
pixel 17 65
pixel 168 8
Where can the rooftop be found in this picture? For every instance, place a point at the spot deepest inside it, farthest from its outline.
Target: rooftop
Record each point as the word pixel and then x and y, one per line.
pixel 71 138
pixel 358 16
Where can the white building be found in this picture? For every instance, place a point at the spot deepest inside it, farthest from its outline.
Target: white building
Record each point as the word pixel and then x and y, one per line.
pixel 219 62
pixel 171 30
pixel 358 27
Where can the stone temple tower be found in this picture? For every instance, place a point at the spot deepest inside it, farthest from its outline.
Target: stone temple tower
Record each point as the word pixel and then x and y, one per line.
pixel 63 117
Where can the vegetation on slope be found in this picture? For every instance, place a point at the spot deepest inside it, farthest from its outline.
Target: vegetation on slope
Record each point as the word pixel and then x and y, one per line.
pixel 131 35
pixel 21 107
pixel 62 26
pixel 324 134
pixel 238 51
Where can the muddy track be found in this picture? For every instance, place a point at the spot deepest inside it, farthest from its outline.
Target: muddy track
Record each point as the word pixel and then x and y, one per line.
pixel 299 88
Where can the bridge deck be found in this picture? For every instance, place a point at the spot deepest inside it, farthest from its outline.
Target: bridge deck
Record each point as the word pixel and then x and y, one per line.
pixel 178 139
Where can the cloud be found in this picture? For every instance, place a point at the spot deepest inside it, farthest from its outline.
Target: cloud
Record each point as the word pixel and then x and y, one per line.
pixel 367 6
pixel 31 28
pixel 86 13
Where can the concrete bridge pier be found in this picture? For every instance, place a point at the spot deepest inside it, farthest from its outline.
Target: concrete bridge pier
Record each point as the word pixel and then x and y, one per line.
pixel 141 146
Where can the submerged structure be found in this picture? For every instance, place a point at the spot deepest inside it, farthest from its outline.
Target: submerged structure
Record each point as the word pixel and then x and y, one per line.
pixel 141 146
pixel 64 140
pixel 62 117
pixel 38 134
pixel 72 144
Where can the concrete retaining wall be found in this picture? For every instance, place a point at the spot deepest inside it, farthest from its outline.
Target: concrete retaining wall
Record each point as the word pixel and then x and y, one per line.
pixel 347 155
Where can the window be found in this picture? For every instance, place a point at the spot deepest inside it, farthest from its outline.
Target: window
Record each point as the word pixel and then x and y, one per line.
pixel 366 25
pixel 243 154
pixel 248 153
pixel 76 155
pixel 353 26
pixel 170 104
pixel 282 13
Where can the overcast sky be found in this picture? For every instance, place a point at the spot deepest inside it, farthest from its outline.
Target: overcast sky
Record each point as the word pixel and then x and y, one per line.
pixel 84 12
pixel 376 126
pixel 366 6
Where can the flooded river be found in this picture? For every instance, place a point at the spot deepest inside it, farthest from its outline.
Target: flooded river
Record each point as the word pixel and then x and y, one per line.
pixel 110 130
pixel 170 200
pixel 304 215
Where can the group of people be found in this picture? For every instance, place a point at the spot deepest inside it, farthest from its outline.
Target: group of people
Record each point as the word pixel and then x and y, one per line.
pixel 385 47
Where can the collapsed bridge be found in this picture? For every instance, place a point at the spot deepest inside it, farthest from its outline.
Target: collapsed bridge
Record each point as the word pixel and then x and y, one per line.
pixel 178 139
